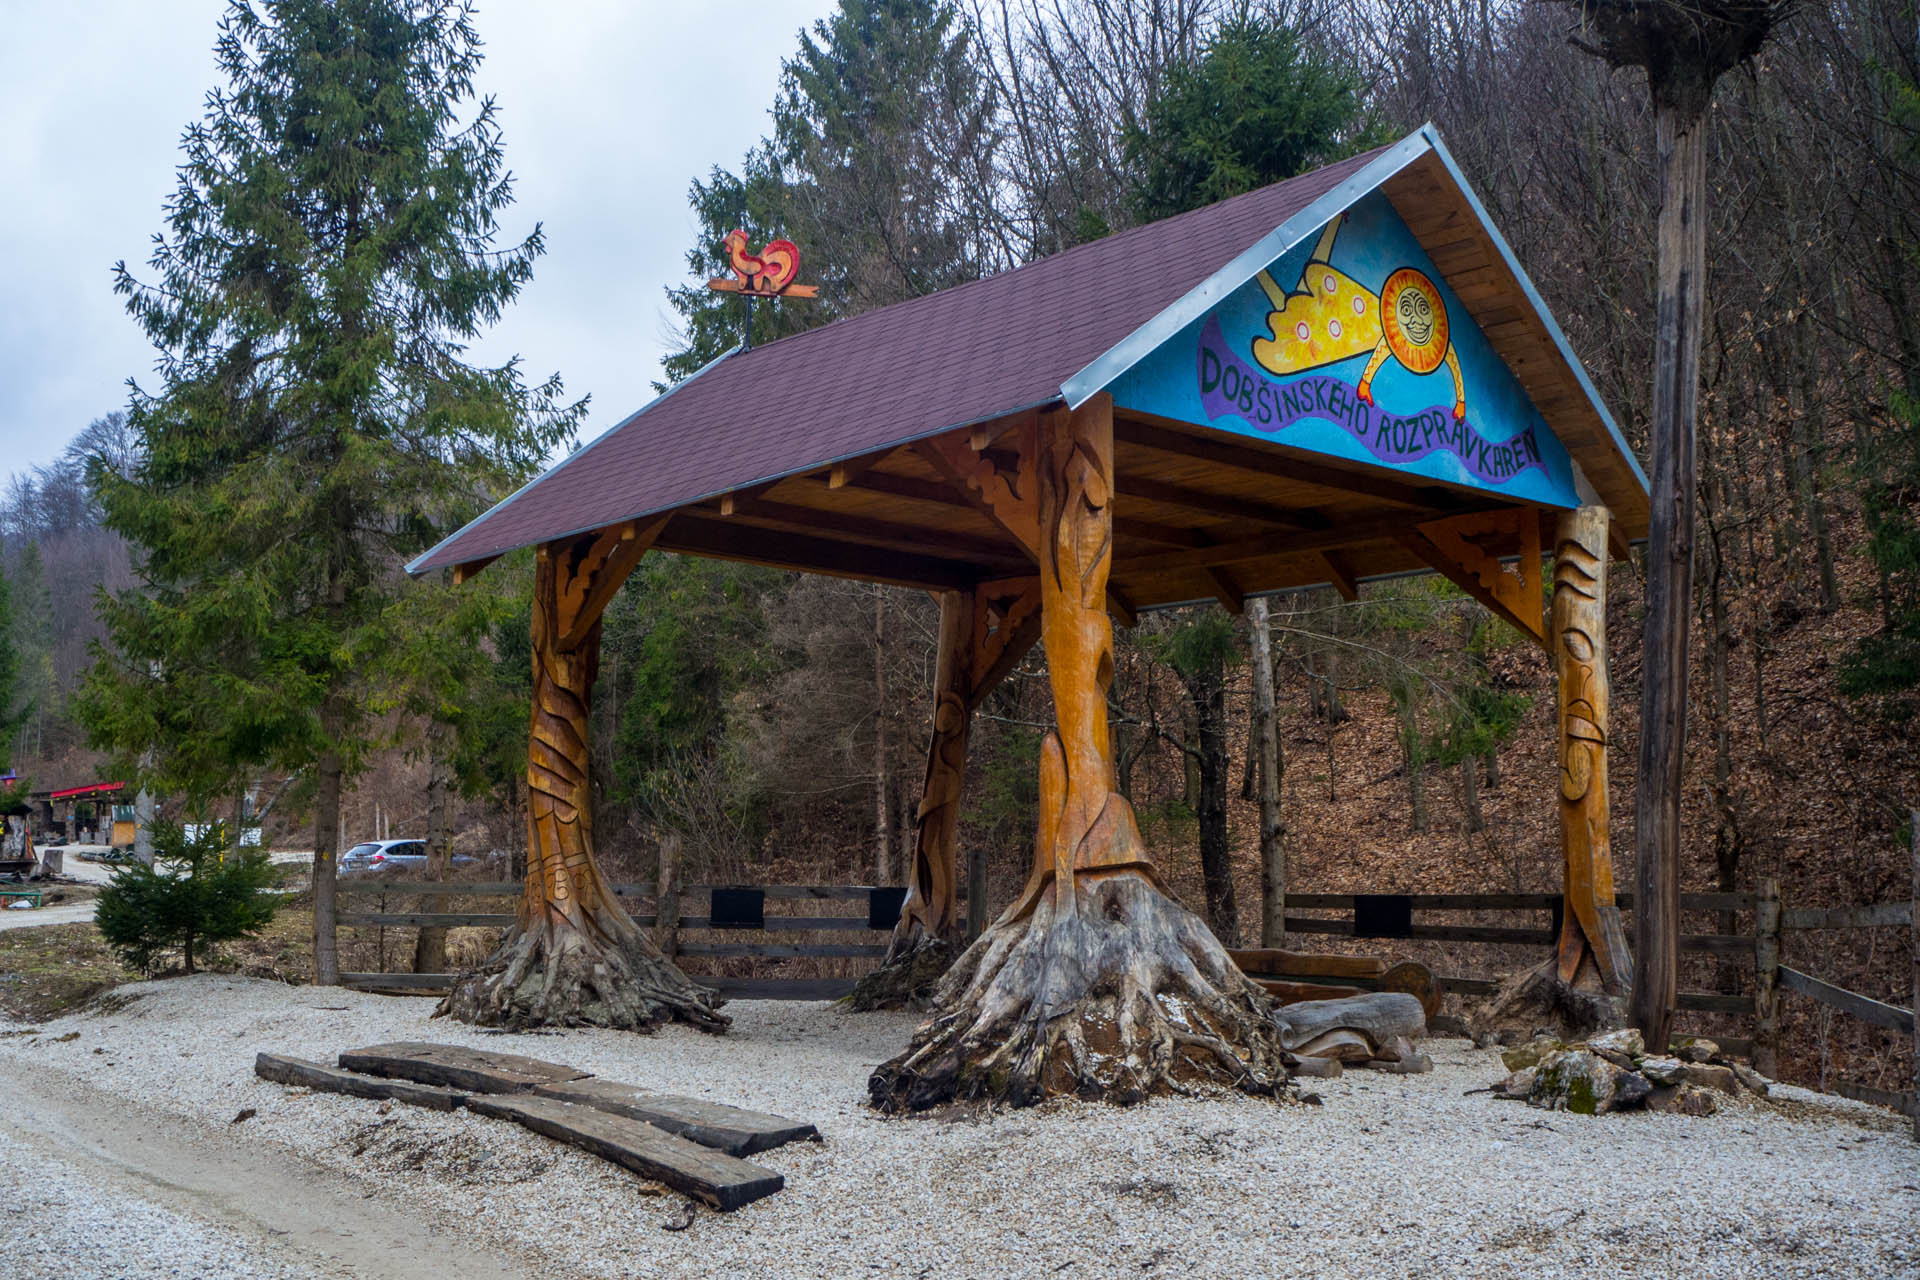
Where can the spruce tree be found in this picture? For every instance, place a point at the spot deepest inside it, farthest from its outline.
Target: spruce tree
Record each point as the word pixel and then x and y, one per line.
pixel 1260 106
pixel 332 244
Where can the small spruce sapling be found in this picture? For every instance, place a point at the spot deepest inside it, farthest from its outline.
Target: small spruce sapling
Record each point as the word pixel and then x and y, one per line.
pixel 197 892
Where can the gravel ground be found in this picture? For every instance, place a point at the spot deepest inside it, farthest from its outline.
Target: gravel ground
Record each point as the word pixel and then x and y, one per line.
pixel 50 1207
pixel 1392 1175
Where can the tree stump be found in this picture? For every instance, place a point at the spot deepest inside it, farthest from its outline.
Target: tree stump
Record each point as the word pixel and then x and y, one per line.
pixel 1096 981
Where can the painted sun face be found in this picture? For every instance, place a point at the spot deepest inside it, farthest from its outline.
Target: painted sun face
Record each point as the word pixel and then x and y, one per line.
pixel 1414 320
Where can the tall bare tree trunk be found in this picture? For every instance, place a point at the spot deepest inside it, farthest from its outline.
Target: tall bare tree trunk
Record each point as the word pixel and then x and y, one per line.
pixel 430 942
pixel 328 778
pixel 1680 138
pixel 1271 764
pixel 1685 46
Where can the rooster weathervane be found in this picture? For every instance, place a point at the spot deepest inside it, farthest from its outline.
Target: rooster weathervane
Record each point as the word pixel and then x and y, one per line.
pixel 767 274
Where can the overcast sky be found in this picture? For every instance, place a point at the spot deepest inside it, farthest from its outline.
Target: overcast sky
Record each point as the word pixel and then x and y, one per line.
pixel 609 108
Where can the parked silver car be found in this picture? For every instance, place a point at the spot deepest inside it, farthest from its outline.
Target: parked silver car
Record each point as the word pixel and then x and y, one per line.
pixel 381 855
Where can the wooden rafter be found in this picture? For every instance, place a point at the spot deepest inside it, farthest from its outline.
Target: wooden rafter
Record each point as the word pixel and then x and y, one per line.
pixel 1291 467
pixel 1219 504
pixel 1267 545
pixel 1450 547
pixel 749 544
pixel 1339 575
pixel 882 533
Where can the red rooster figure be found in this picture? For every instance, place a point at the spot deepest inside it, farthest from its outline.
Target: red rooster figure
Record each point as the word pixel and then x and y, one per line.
pixel 767 274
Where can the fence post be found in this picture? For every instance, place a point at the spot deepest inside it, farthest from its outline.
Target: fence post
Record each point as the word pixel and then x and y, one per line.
pixel 976 892
pixel 667 899
pixel 1766 976
pixel 1913 924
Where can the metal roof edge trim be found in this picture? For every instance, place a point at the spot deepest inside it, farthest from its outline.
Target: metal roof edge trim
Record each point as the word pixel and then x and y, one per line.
pixel 705 497
pixel 414 567
pixel 1535 301
pixel 1136 346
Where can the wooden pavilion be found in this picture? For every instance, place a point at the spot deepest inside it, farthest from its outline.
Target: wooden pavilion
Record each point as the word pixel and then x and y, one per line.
pixel 1340 377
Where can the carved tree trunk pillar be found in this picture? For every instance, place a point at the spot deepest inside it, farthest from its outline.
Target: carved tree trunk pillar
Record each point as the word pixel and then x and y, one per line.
pixel 930 909
pixel 1593 947
pixel 1095 981
pixel 575 957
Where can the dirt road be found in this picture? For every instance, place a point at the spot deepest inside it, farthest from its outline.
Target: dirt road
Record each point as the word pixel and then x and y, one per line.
pixel 201 1201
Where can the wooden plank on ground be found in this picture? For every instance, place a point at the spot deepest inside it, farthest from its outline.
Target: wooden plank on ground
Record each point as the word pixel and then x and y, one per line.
pixel 1880 915
pixel 734 1130
pixel 312 1075
pixel 1306 964
pixel 713 1177
pixel 416 983
pixel 458 1067
pixel 1865 1008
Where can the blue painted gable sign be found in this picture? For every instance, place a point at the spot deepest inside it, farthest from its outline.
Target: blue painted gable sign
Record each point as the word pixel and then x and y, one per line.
pixel 1352 345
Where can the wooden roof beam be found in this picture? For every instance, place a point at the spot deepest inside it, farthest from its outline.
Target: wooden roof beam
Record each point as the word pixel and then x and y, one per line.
pixel 1217 504
pixel 705 535
pixel 884 533
pixel 1272 544
pixel 1339 576
pixel 1227 591
pixel 1225 453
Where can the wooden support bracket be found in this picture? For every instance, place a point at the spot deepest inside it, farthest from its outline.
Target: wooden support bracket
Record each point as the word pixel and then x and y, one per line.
pixel 1450 547
pixel 603 564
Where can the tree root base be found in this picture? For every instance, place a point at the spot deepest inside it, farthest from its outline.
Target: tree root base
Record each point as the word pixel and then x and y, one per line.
pixel 1536 1000
pixel 558 976
pixel 908 980
pixel 1119 995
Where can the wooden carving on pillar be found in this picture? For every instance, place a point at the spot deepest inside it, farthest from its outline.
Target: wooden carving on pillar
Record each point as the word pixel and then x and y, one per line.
pixel 983 634
pixel 574 957
pixel 1096 981
pixel 1593 945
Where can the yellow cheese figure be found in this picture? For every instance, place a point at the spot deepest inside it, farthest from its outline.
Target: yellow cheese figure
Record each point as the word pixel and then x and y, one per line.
pixel 1330 317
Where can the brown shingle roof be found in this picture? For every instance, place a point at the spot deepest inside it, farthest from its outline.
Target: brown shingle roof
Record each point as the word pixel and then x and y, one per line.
pixel 917 368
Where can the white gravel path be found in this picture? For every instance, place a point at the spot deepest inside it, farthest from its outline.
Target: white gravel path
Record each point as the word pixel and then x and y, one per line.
pixel 49 1206
pixel 1394 1175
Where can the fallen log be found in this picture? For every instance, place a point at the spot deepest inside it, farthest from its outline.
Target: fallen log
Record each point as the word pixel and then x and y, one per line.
pixel 714 1178
pixel 734 1130
pixel 312 1075
pixel 456 1067
pixel 1339 1028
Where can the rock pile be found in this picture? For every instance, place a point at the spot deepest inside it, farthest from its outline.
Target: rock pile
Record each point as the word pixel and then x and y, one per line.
pixel 1614 1072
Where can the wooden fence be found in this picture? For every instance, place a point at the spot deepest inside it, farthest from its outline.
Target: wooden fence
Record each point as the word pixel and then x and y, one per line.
pixel 1382 916
pixel 730 909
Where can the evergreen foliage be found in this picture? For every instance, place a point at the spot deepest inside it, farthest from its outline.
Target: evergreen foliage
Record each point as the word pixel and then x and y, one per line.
pixel 1260 106
pixel 1887 663
pixel 881 113
pixel 332 245
pixel 197 892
